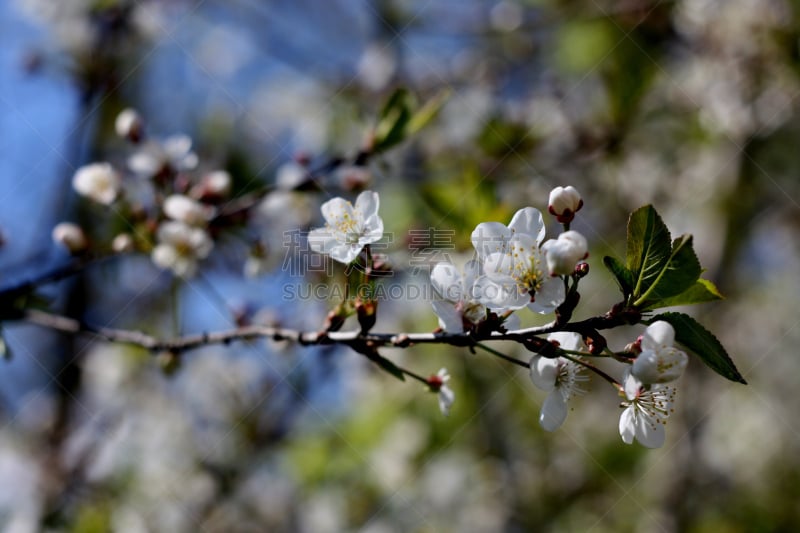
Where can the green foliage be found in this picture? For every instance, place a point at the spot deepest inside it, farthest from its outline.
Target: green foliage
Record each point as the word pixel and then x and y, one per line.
pixel 648 248
pixel 402 116
pixel 702 343
pixel 701 291
pixel 623 276
pixel 658 273
pixel 501 138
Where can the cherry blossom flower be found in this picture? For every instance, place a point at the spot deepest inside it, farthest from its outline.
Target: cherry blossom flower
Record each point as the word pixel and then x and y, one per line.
pixel 97 181
pixel 559 376
pixel 512 263
pixel 180 247
pixel 457 305
pixel 70 236
pixel 564 202
pixel 659 361
pixel 646 412
pixel 348 228
pixel 174 153
pixel 563 253
pixel 438 384
pixel 129 125
pixel 184 209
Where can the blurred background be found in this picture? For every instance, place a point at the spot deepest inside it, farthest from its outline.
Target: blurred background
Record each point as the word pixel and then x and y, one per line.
pixel 689 105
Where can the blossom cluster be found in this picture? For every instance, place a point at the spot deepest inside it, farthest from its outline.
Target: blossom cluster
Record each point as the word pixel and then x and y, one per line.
pixel 513 268
pixel 174 227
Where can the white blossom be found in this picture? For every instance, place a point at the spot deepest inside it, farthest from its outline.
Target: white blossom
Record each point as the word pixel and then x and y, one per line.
pixel 123 243
pixel 646 412
pixel 564 202
pixel 659 361
pixel 217 183
pixel 348 228
pixel 559 376
pixel 438 384
pixel 457 302
pixel 512 262
pixel 563 253
pixel 174 153
pixel 97 181
pixel 129 125
pixel 184 209
pixel 290 176
pixel 71 236
pixel 180 247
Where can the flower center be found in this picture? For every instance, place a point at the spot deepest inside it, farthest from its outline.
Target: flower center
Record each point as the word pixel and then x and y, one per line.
pixel 348 227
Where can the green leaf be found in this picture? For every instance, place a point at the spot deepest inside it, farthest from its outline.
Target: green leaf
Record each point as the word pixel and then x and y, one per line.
pixel 621 273
pixel 702 343
pixel 648 249
pixel 393 120
pixel 385 364
pixel 701 292
pixel 677 275
pixel 425 114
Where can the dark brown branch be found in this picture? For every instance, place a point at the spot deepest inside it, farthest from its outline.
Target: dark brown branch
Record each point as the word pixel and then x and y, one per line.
pixel 353 339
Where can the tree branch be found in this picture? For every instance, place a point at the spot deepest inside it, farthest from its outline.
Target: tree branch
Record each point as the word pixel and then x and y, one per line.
pixel 353 339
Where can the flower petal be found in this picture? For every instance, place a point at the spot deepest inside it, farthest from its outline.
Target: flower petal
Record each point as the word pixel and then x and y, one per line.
pixel 446 281
pixel 528 221
pixel 549 296
pixel 658 334
pixel 544 371
pixel 498 265
pixel 446 399
pixel 662 366
pixel 649 433
pixel 449 318
pixel 321 240
pixel 336 210
pixel 554 411
pixel 627 425
pixel 472 271
pixel 567 340
pixel 502 293
pixel 367 204
pixel 490 237
pixel 345 253
pixel 372 230
pixel 631 384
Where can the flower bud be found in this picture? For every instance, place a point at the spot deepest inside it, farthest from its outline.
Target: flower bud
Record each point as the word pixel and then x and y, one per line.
pixel 582 270
pixel 217 184
pixel 563 253
pixel 70 236
pixel 97 181
pixel 129 125
pixel 367 314
pixel 122 243
pixel 564 203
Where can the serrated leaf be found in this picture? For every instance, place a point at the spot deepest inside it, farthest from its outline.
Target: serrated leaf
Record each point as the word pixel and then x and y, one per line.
pixel 697 339
pixel 648 248
pixel 701 292
pixel 623 276
pixel 679 273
